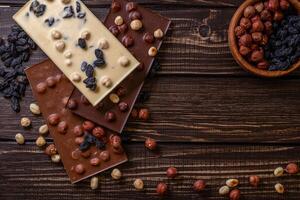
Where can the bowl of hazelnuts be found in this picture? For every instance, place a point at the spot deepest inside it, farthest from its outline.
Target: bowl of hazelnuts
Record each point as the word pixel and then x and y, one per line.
pixel 264 36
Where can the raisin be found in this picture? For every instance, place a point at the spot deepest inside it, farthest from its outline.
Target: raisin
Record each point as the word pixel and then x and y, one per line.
pixel 68 12
pixel 81 15
pixel 82 43
pixel 99 63
pixel 78 6
pixel 50 21
pixel 98 53
pixel 89 71
pixel 83 66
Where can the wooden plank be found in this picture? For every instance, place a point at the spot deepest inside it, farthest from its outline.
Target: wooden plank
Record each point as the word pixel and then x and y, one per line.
pixel 184 51
pixel 203 109
pixel 26 173
pixel 218 3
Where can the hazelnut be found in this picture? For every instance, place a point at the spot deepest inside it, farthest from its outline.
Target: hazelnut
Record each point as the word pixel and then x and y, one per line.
pixel 114 98
pixel 158 33
pixel 135 15
pixel 103 43
pixel 224 190
pixel 131 6
pixel 78 131
pixel 94 183
pixel 265 15
pixel 62 127
pixel 263 65
pixel 95 161
pixel 104 155
pixel 152 51
pixel 235 194
pixel 55 158
pixel 51 81
pixel 239 31
pixel 41 88
pixel 279 188
pixel 258 26
pixel 171 172
pixel 116 141
pixel 75 77
pixel 79 169
pixel 199 185
pixel 136 25
pixel 115 6
pixel 244 50
pixel 35 109
pixel 79 140
pixel 128 41
pixel 249 12
pixel 68 54
pixel 85 35
pixel 51 150
pixel 284 4
pixel 119 20
pixel 25 122
pixel 161 189
pixel 86 153
pixel 144 114
pixel 20 138
pixel 254 180
pixel 259 7
pixel 88 125
pixel 257 56
pixel 116 174
pixel 245 40
pixel 72 104
pixel 53 119
pixel 278 171
pixel 56 35
pixel 292 168
pixel 114 30
pixel 148 38
pixel 138 184
pixel 110 116
pixel 257 36
pixel 123 107
pixel 76 154
pixel 60 45
pixel 40 141
pixel 123 61
pixel 232 182
pixel 278 16
pixel 123 28
pixel 150 144
pixel 245 23
pixel 255 18
pixel 273 5
pixel 98 132
pixel 106 81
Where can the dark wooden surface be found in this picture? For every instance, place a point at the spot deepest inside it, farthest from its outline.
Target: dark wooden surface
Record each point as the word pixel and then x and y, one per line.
pixel 212 120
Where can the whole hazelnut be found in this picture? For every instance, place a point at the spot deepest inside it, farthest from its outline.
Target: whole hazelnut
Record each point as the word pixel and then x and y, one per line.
pixel 158 33
pixel 128 41
pixel 53 119
pixel 79 140
pixel 152 51
pixel 278 16
pixel 104 155
pixel 232 182
pixel 88 125
pixel 284 4
pixel 144 114
pixel 55 158
pixel 292 168
pixel 115 6
pixel 249 12
pixel 263 65
pixel 278 171
pixel 131 6
pixel 239 31
pixel 40 141
pixel 265 15
pixel 136 24
pixel 161 189
pixel 51 150
pixel 171 172
pixel 79 169
pixel 259 7
pixel 245 40
pixel 62 127
pixel 25 122
pixel 150 144
pixel 138 184
pixel 244 50
pixel 257 36
pixel 245 23
pixel 258 26
pixel 116 141
pixel 257 56
pixel 78 131
pixel 135 15
pixel 41 87
pixel 148 37
pixel 235 194
pixel 98 132
pixel 119 20
pixel 254 180
pixel 199 185
pixel 255 18
pixel 72 104
pixel 224 190
pixel 279 188
pixel 273 5
pixel 110 116
pixel 116 174
pixel 95 161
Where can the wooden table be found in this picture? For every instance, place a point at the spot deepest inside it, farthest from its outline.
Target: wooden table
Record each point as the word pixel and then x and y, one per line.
pixel 213 120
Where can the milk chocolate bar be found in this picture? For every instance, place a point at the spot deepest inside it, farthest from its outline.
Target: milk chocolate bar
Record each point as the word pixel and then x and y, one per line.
pixel 85 149
pixel 142 32
pixel 79 44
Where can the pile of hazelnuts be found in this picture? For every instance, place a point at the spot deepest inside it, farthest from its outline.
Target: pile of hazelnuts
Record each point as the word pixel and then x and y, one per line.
pixel 255 28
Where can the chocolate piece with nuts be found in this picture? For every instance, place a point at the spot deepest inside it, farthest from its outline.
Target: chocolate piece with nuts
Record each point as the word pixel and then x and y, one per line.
pixel 77 141
pixel 142 32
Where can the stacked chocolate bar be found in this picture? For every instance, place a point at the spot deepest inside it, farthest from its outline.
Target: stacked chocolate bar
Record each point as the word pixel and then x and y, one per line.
pixel 96 73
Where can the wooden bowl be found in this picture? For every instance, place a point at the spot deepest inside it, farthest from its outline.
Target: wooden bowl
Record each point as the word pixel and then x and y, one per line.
pixel 234 47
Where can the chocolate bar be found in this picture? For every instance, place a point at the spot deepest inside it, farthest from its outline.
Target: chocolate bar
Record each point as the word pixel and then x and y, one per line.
pixel 142 33
pixel 79 44
pixel 85 149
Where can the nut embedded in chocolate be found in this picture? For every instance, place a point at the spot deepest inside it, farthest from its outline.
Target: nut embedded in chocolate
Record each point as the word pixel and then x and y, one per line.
pixel 78 130
pixel 123 107
pixel 79 140
pixel 79 169
pixel 51 81
pixel 116 141
pixel 72 104
pixel 123 28
pixel 115 6
pixel 62 127
pixel 104 155
pixel 41 87
pixel 88 125
pixel 136 25
pixel 121 91
pixel 131 6
pixel 148 37
pixel 135 15
pixel 98 132
pixel 76 154
pixel 53 119
pixel 114 30
pixel 110 116
pixel 51 150
pixel 95 161
pixel 84 100
pixel 128 41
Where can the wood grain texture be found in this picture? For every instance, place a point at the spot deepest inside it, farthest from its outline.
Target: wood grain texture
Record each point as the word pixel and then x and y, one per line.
pixel 203 109
pixel 26 173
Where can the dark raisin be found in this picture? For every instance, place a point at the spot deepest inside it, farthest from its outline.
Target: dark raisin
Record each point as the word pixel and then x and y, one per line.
pixel 100 145
pixel 83 66
pixel 98 53
pixel 22 34
pixel 15 104
pixel 89 71
pixel 78 6
pixel 81 15
pixel 82 43
pixel 50 21
pixel 99 63
pixel 68 12
pixel 31 43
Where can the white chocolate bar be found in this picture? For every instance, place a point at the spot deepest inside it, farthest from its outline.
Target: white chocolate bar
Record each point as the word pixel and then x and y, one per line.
pixel 58 37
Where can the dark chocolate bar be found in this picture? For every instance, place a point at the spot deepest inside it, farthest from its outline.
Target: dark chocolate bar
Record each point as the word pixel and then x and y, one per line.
pixel 85 149
pixel 141 32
